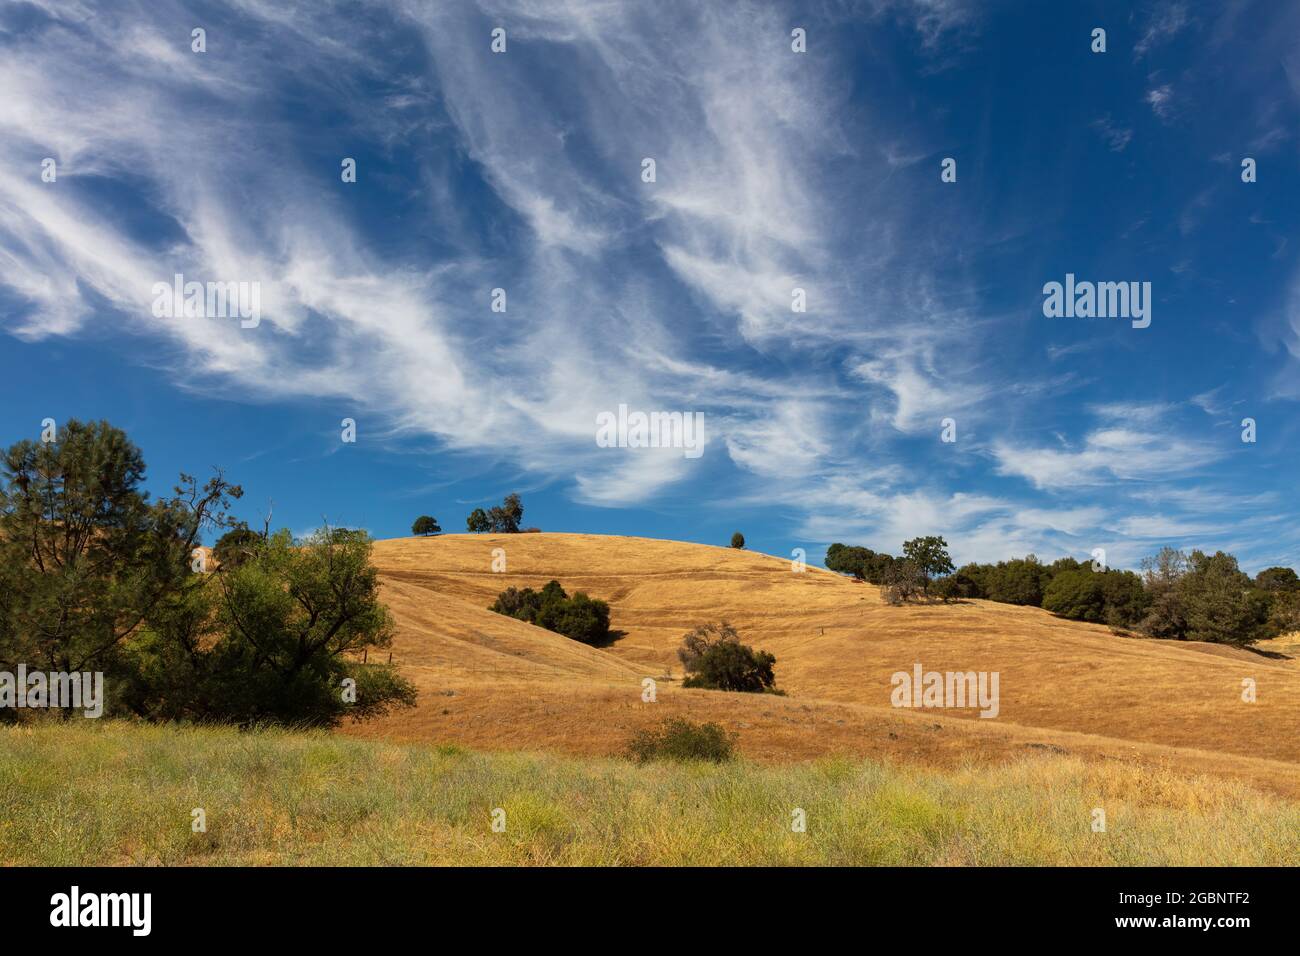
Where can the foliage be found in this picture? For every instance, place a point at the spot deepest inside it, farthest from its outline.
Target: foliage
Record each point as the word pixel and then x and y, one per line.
pixel 85 557
pixel 929 555
pixel 579 617
pixel 500 519
pixel 715 659
pixel 902 582
pixel 97 577
pixel 863 563
pixel 737 540
pixel 477 522
pixel 680 739
pixel 425 525
pixel 700 639
pixel 237 545
pixel 275 639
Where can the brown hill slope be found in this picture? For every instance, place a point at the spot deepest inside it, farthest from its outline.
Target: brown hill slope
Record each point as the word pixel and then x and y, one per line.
pixel 490 681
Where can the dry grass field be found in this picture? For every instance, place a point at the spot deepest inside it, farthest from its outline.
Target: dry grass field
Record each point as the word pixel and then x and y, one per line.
pixel 1067 688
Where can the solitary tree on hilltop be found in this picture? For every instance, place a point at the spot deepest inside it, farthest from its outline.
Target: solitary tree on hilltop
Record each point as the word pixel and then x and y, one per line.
pixel 425 525
pixel 737 540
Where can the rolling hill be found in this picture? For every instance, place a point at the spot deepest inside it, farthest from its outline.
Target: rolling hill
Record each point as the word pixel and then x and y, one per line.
pixel 1066 687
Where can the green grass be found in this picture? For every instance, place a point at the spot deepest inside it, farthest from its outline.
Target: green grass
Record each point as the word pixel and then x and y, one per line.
pixel 102 793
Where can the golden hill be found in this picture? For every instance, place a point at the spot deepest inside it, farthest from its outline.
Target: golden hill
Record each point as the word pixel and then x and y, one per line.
pixel 490 681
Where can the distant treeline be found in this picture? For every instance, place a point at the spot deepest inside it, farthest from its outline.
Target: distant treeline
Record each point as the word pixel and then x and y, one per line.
pixel 1181 596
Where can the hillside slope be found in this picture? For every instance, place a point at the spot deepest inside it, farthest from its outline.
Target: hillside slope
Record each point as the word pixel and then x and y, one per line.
pixel 490 681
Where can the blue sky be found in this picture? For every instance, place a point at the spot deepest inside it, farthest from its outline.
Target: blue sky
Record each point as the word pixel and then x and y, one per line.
pixel 775 170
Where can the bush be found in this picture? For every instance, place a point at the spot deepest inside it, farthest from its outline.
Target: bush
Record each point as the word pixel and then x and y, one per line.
pixel 579 618
pixel 680 739
pixel 737 540
pixel 425 525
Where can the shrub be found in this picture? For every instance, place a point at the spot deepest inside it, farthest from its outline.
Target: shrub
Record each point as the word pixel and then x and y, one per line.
pixel 425 525
pixel 579 618
pixel 680 739
pixel 737 540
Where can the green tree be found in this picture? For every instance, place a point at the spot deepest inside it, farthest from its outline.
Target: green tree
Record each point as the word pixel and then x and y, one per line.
pixel 277 640
pixel 1221 603
pixel 85 557
pixel 863 563
pixel 239 544
pixel 1077 595
pixel 425 525
pixel 1162 574
pixel 1277 579
pixel 1018 581
pixel 499 519
pixel 737 540
pixel 700 639
pixel 730 665
pixel 930 556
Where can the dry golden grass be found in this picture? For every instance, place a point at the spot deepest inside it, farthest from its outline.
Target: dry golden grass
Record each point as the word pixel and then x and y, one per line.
pixel 1066 687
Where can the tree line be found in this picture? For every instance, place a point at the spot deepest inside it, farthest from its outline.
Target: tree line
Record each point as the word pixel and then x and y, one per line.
pixel 1178 595
pixel 500 519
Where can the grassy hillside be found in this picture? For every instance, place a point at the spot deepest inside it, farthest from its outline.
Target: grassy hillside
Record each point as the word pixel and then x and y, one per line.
pixel 86 793
pixel 495 683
